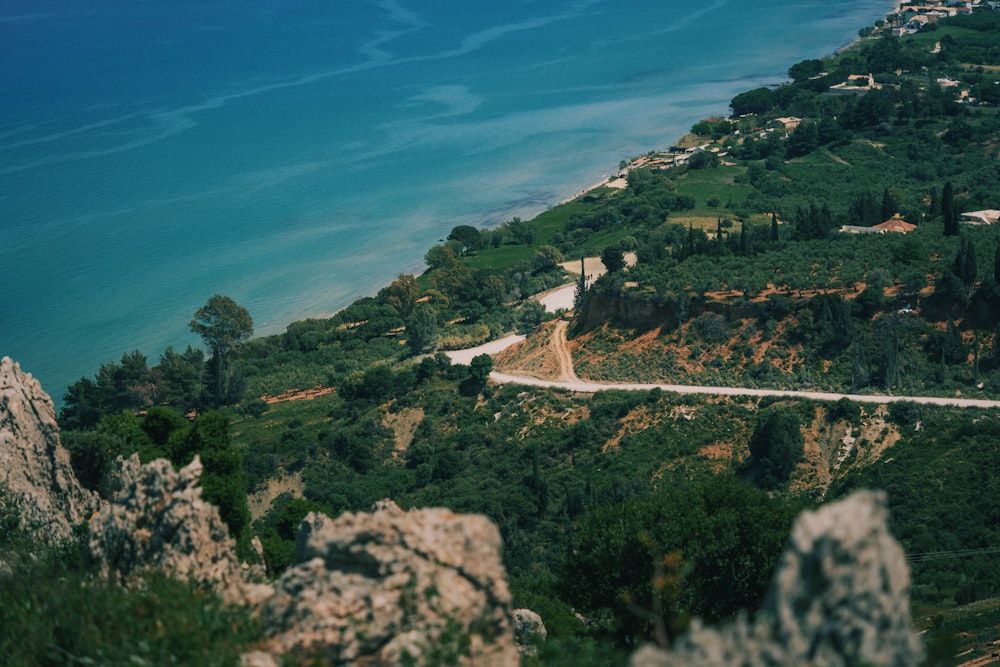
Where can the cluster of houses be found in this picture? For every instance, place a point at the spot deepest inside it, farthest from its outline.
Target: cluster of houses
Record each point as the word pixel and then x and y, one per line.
pixel 913 16
pixel 910 18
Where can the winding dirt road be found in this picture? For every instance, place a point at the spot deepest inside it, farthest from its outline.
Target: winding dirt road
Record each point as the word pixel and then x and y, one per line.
pixel 570 382
pixel 558 347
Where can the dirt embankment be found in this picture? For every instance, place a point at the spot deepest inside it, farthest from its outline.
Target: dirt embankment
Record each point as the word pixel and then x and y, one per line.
pixel 532 357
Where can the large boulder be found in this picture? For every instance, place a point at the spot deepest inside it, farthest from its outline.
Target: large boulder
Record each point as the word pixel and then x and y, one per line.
pixel 157 520
pixel 36 477
pixel 393 587
pixel 838 599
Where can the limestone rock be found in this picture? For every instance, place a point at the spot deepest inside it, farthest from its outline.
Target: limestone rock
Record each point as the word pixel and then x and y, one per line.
pixel 528 629
pixel 838 598
pixel 374 588
pixel 35 470
pixel 157 519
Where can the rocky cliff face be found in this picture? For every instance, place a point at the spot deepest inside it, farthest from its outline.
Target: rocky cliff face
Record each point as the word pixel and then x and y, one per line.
pixel 838 599
pixel 35 470
pixel 156 519
pixel 383 588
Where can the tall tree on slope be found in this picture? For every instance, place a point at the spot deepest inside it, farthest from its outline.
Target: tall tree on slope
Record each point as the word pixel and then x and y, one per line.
pixel 224 325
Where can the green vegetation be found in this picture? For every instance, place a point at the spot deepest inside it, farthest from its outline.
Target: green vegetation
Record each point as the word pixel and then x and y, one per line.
pixel 624 507
pixel 54 612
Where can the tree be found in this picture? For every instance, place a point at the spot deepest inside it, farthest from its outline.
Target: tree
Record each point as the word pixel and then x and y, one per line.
pixel 803 140
pixel 613 259
pixel 949 210
pixel 580 292
pixel 81 405
pixel 703 160
pixel 522 231
pixel 126 386
pixel 422 329
pixel 224 325
pixel 182 374
pixel 467 235
pixel 776 446
pixel 479 373
pixel 546 259
pixel 865 211
pixel 805 70
pixel 757 101
pixel 492 289
pixel 401 294
pixel 224 478
pixel 965 266
pixel 439 257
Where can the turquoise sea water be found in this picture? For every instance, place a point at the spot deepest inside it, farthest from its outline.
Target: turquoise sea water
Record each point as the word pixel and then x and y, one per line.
pixel 299 155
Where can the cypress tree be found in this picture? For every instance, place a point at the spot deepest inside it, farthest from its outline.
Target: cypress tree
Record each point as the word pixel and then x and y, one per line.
pixel 581 287
pixel 965 262
pixel 888 205
pixel 774 227
pixel 949 210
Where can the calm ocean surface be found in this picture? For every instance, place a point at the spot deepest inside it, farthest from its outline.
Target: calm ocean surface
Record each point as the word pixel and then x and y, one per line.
pixel 298 155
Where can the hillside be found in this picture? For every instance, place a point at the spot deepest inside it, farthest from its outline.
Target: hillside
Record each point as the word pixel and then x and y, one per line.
pixel 752 269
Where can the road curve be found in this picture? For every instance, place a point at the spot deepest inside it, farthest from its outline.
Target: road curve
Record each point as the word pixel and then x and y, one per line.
pixel 584 386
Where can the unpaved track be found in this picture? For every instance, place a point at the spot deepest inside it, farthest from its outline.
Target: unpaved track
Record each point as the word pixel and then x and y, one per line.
pixel 584 386
pixel 570 382
pixel 558 346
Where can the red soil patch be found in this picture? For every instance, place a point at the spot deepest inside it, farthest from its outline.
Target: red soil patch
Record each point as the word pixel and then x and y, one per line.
pixel 298 395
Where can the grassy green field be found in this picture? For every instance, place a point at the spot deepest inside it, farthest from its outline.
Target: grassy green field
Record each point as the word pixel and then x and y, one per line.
pixel 547 224
pixel 703 184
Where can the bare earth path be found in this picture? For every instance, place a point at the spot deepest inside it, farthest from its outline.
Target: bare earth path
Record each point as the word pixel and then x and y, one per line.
pixel 558 344
pixel 570 382
pixel 583 386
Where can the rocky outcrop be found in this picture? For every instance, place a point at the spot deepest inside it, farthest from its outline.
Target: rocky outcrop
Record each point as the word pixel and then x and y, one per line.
pixel 158 520
pixel 35 472
pixel 838 599
pixel 528 631
pixel 391 587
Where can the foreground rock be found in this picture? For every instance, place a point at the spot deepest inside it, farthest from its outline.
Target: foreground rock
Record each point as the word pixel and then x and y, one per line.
pixel 393 587
pixel 838 599
pixel 35 472
pixel 157 520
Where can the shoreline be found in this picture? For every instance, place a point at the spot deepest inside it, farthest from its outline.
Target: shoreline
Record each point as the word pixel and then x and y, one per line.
pixel 607 180
pixel 600 177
